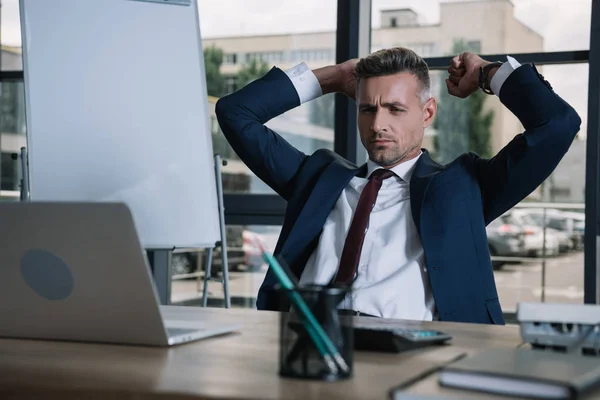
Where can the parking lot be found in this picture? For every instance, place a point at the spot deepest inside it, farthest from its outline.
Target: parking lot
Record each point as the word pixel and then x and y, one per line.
pixel 515 283
pixel 523 282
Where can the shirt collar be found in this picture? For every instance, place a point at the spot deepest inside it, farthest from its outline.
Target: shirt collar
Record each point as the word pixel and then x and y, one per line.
pixel 403 170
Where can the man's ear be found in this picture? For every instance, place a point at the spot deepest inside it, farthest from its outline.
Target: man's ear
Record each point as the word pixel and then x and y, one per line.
pixel 429 110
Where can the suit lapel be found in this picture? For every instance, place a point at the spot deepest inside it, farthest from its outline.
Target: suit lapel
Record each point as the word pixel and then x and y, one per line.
pixel 309 223
pixel 425 170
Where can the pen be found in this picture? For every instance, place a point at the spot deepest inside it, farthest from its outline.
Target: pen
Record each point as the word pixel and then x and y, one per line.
pixel 324 344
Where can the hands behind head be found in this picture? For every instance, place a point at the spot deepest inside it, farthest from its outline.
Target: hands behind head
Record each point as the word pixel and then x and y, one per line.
pixel 347 79
pixel 464 74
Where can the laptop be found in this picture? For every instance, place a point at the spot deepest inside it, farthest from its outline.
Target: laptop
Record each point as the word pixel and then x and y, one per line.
pixel 78 272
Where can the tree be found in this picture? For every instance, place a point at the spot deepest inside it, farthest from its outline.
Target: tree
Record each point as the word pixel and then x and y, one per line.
pixel 215 82
pixel 462 125
pixel 251 71
pixel 322 111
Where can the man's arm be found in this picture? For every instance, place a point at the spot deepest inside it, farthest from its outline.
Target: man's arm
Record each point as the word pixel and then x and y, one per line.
pixel 242 116
pixel 523 164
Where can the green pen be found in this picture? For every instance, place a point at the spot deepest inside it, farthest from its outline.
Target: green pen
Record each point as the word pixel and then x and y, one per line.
pixel 324 344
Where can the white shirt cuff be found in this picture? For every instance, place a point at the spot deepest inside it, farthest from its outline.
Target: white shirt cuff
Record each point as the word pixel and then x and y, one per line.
pixel 502 74
pixel 305 82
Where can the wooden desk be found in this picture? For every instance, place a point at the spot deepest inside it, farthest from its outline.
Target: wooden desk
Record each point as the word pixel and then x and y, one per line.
pixel 242 365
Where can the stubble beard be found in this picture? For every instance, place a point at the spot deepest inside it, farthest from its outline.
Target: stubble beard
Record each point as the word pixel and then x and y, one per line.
pixel 390 157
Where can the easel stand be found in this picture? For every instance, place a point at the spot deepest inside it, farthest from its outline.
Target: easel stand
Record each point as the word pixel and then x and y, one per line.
pixel 24 189
pixel 160 259
pixel 222 244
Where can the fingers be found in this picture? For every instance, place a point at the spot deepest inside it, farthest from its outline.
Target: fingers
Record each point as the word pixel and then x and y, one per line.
pixel 453 89
pixel 456 62
pixel 458 72
pixel 454 79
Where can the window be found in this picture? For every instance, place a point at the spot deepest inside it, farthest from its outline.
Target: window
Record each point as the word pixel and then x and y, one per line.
pixel 230 59
pixel 474 45
pixel 563 267
pixel 483 125
pixel 12 104
pixel 10 36
pixel 283 37
pixel 230 84
pixel 12 137
pixel 247 268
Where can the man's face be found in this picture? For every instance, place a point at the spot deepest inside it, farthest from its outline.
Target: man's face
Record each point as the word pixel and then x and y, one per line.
pixel 392 118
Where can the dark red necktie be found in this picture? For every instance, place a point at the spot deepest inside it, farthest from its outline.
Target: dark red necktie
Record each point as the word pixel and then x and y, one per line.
pixel 358 227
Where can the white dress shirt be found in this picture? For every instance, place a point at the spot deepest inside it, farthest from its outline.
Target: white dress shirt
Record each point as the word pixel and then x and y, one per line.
pixel 392 279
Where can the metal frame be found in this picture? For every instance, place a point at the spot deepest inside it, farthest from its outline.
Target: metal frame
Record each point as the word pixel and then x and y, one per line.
pixel 592 229
pixel 7 76
pixel 254 209
pixel 557 57
pixel 353 40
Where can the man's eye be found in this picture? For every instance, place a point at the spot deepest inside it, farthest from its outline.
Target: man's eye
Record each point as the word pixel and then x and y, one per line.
pixel 396 110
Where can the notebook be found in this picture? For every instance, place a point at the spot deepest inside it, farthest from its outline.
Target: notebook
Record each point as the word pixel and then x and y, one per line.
pixel 524 373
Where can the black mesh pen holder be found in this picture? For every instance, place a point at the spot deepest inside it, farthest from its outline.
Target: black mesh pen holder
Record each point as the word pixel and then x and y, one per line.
pixel 302 351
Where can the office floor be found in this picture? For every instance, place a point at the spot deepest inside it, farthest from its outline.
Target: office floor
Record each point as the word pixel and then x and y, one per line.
pixel 515 283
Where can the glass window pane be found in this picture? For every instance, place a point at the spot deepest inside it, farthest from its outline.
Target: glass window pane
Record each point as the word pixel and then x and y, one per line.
pixel 10 36
pixel 243 45
pixel 429 27
pixel 484 125
pixel 12 138
pixel 246 268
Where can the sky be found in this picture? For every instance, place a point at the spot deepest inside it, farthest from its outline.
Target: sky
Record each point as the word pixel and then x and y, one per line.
pixel 252 17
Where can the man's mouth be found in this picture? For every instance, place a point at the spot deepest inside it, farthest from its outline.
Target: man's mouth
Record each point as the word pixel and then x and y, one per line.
pixel 381 141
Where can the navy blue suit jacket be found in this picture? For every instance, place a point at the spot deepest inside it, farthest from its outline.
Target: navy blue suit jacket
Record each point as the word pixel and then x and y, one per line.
pixel 451 204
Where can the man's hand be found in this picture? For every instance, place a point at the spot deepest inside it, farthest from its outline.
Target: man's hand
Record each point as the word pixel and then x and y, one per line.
pixel 348 78
pixel 464 74
pixel 338 78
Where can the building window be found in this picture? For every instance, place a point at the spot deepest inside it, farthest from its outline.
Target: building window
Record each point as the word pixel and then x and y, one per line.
pixel 474 46
pixel 230 59
pixel 230 84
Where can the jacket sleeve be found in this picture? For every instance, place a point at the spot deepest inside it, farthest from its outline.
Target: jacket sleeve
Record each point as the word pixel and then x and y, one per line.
pixel 523 164
pixel 242 116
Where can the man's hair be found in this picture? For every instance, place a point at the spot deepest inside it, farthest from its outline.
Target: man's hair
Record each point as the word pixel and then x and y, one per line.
pixel 394 61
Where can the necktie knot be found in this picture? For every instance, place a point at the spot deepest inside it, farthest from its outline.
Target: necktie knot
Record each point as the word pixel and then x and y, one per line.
pixel 381 174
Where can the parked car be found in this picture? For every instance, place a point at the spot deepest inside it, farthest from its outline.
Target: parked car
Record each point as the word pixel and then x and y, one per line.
pixel 556 241
pixel 243 254
pixel 561 221
pixel 505 239
pixel 578 227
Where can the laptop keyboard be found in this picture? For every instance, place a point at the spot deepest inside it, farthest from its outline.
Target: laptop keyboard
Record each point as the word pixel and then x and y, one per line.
pixel 180 331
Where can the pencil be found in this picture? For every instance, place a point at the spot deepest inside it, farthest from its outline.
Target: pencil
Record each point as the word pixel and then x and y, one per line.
pixel 330 353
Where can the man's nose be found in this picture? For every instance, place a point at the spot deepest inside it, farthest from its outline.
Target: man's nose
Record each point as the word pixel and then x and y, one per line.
pixel 378 123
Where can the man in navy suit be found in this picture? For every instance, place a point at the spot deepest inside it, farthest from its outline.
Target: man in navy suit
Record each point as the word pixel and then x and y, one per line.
pixel 407 233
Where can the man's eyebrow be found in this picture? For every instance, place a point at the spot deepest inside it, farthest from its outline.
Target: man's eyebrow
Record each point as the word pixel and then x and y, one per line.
pixel 366 105
pixel 397 104
pixel 392 104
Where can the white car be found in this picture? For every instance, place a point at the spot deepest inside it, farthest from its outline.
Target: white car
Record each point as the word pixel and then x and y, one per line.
pixel 534 235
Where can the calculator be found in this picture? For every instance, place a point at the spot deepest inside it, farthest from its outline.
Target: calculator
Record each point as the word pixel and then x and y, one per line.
pixel 394 340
